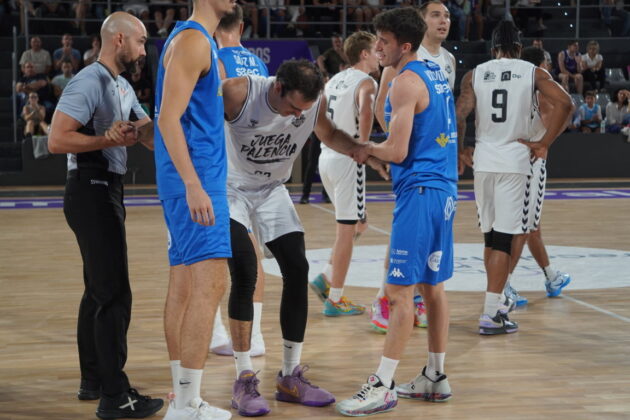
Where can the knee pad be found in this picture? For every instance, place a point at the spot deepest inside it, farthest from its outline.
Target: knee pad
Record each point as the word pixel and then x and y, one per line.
pixel 502 242
pixel 487 239
pixel 243 271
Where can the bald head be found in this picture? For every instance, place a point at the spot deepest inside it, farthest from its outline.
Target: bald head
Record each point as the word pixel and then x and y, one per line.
pixel 121 23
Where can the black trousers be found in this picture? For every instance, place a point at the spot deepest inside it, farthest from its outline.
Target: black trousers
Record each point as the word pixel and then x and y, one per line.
pixel 94 210
pixel 312 161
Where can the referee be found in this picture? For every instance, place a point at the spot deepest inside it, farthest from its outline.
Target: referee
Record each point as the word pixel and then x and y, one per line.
pixel 92 125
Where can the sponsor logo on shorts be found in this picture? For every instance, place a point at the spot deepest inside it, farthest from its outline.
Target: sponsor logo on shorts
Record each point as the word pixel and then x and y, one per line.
pixel 449 208
pixel 168 239
pixel 397 273
pixel 434 261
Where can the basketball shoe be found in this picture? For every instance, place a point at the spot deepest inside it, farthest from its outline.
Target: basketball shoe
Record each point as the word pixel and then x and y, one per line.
pixel 296 388
pixel 343 307
pixel 373 398
pixel 498 324
pixel 420 319
pixel 196 409
pixel 514 295
pixel 423 388
pixel 554 286
pixel 246 398
pixel 128 404
pixel 320 286
pixel 380 314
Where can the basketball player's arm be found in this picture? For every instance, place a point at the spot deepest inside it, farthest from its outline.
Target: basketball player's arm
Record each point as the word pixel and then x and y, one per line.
pixel 221 68
pixel 182 70
pixel 234 96
pixel 404 93
pixel 560 111
pixel 465 105
pixel 386 77
pixel 365 103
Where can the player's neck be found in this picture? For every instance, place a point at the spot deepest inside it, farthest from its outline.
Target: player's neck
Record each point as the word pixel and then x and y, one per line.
pixel 404 60
pixel 432 45
pixel 228 39
pixel 362 66
pixel 206 16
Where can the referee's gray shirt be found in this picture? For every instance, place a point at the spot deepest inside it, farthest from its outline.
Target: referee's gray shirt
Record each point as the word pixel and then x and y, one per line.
pixel 96 99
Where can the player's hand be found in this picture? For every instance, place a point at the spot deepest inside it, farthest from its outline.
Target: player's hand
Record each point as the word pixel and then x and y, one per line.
pixel 361 153
pixel 122 133
pixel 200 205
pixel 379 166
pixel 465 159
pixel 537 148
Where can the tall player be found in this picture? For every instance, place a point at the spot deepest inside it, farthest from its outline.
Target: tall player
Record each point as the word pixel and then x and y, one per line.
pixel 350 97
pixel 438 21
pixel 191 169
pixel 422 148
pixel 235 61
pixel 503 93
pixel 269 121
pixel 555 281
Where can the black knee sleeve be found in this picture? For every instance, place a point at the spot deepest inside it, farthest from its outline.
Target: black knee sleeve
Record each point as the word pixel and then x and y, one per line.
pixel 502 242
pixel 289 251
pixel 487 239
pixel 243 270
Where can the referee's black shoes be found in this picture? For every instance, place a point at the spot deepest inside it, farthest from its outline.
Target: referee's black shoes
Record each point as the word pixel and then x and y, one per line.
pixel 129 404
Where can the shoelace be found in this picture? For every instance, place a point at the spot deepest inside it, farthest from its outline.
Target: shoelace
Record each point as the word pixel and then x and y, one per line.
pixel 301 377
pixel 362 395
pixel 251 383
pixel 136 394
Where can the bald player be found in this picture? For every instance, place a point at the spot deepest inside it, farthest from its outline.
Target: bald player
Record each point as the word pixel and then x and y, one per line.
pixel 97 117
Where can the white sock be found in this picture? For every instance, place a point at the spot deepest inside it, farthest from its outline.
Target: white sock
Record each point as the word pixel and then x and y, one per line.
pixel 435 366
pixel 335 294
pixel 550 273
pixel 327 272
pixel 188 386
pixel 242 361
pixel 381 291
pixel 291 354
pixel 175 364
pixel 386 370
pixel 257 317
pixel 492 303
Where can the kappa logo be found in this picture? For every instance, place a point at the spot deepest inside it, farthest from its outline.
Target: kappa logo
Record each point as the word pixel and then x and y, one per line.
pixel 397 273
pixel 298 121
pixel 442 140
pixel 168 239
pixel 434 261
pixel 489 76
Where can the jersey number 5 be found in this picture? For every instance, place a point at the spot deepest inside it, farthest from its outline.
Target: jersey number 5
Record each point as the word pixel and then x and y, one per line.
pixel 330 110
pixel 499 101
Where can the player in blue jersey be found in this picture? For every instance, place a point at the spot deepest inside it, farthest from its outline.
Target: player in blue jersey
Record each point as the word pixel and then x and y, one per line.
pixel 422 147
pixel 191 169
pixel 235 61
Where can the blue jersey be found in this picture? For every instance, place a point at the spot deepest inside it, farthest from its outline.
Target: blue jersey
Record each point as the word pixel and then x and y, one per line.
pixel 202 123
pixel 239 61
pixel 432 157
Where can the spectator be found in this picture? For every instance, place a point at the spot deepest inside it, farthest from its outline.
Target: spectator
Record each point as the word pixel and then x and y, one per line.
pixel 570 66
pixel 538 43
pixel 34 115
pixel 272 12
pixel 333 60
pixel 618 111
pixel 297 12
pixel 142 86
pixel 67 53
pixel 91 55
pixel 474 11
pixel 31 82
pixel 455 9
pixel 250 13
pixel 138 8
pixel 356 16
pixel 372 8
pixel 50 9
pixel 39 57
pixel 325 11
pixel 163 13
pixel 81 8
pixel 615 7
pixel 60 81
pixel 29 8
pixel 590 114
pixel 527 9
pixel 593 65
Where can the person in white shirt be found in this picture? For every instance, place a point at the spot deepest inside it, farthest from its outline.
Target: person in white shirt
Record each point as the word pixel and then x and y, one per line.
pixel 593 66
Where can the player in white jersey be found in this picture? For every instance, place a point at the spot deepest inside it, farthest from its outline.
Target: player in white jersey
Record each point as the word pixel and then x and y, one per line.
pixel 350 96
pixel 555 280
pixel 269 121
pixel 503 93
pixel 438 20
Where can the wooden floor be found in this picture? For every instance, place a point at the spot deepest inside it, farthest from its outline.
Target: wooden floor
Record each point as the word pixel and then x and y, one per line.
pixel 569 361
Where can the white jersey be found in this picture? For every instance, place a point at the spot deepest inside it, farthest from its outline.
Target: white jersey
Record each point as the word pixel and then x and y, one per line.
pixel 444 59
pixel 263 144
pixel 506 110
pixel 343 109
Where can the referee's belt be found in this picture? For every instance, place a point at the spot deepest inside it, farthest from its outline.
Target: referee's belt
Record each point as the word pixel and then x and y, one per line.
pixel 88 173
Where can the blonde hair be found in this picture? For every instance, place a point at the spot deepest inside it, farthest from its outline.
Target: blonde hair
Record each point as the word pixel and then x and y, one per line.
pixel 356 43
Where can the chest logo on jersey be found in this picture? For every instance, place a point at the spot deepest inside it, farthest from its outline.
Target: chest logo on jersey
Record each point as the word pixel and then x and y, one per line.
pixel 252 123
pixel 489 76
pixel 298 121
pixel 269 149
pixel 448 69
pixel 442 140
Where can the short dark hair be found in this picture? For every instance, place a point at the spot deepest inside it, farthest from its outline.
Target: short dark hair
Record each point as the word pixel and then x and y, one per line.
pixel 423 8
pixel 405 23
pixel 232 19
pixel 534 55
pixel 590 93
pixel 302 76
pixel 507 38
pixel 357 43
pixel 573 41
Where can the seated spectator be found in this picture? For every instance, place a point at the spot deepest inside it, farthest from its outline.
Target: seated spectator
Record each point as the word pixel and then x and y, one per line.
pixel 618 111
pixel 527 9
pixel 593 65
pixel 138 8
pixel 538 43
pixel 570 67
pixel 356 16
pixel 163 14
pixel 27 7
pixel 80 8
pixel 34 115
pixel 142 86
pixel 496 10
pixel 90 56
pixel 333 60
pixel 457 16
pixel 615 7
pixel 66 53
pixel 590 114
pixel 50 9
pixel 473 9
pixel 372 8
pixel 31 82
pixel 250 14
pixel 272 12
pixel 60 81
pixel 297 13
pixel 39 57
